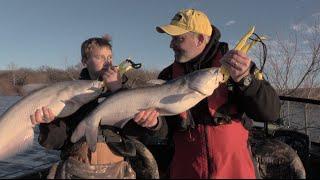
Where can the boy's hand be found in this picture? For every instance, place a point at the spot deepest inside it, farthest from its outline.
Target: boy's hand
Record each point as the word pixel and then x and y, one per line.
pixel 43 115
pixel 111 78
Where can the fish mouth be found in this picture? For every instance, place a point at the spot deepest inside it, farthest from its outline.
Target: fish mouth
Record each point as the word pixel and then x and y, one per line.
pixel 203 93
pixel 206 88
pixel 214 71
pixel 97 86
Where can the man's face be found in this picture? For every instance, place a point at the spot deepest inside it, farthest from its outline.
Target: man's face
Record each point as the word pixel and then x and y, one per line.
pixel 100 57
pixel 185 47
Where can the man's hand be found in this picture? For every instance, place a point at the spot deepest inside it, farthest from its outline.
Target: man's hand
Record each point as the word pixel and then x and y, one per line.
pixel 237 63
pixel 43 115
pixel 147 118
pixel 111 78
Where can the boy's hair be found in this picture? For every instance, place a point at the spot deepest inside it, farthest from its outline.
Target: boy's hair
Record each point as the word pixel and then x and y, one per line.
pixel 89 44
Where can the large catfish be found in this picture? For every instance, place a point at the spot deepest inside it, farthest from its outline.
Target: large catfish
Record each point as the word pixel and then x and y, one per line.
pixel 63 98
pixel 169 98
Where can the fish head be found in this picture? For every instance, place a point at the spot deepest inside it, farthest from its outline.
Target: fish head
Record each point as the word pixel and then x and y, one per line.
pixel 205 81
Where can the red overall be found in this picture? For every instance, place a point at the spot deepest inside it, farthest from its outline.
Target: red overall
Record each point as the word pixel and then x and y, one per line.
pixel 209 151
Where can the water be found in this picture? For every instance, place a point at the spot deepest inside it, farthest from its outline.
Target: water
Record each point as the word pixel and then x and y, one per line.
pixel 297 116
pixel 34 159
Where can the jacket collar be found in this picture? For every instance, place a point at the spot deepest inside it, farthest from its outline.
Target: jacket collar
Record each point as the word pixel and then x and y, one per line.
pixel 84 74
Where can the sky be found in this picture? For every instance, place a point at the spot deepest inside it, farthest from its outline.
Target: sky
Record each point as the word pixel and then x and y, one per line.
pixel 35 33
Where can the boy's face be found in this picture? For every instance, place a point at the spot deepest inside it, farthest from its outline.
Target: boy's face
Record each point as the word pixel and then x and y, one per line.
pixel 100 57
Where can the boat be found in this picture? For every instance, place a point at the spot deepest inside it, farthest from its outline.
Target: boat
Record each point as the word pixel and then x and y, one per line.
pixel 284 152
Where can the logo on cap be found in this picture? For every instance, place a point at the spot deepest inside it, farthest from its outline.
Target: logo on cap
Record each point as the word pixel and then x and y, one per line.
pixel 177 17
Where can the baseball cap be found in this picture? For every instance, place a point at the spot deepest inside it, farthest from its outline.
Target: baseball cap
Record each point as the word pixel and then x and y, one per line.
pixel 187 20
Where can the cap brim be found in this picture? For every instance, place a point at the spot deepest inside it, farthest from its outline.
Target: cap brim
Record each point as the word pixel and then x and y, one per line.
pixel 171 30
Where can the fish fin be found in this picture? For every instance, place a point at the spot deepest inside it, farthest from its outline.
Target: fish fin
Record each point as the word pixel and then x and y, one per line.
pixel 79 132
pixel 29 88
pixel 101 99
pixel 90 132
pixel 70 106
pixel 175 98
pixel 156 82
pixel 92 138
pixel 70 103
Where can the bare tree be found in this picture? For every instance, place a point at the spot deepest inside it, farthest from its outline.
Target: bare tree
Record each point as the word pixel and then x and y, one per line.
pixel 293 66
pixel 74 70
pixel 12 67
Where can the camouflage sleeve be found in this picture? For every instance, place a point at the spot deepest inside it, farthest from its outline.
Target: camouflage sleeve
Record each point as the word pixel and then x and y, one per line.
pixel 53 135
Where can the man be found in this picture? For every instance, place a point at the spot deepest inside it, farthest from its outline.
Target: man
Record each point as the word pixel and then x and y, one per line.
pixel 210 140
